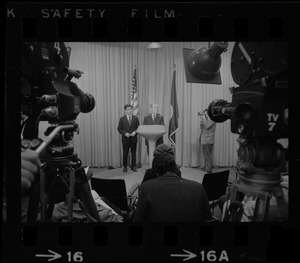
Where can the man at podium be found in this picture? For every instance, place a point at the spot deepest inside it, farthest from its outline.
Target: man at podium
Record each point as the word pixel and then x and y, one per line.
pixel 154 118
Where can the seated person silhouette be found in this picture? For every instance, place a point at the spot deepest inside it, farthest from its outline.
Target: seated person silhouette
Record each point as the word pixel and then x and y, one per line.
pixel 170 198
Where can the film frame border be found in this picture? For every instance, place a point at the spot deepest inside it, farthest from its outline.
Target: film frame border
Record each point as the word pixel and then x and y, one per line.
pixel 140 240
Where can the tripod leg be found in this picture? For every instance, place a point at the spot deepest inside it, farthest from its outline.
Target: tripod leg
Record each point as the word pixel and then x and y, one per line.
pixel 49 211
pixel 71 195
pixel 89 203
pixel 86 197
pixel 43 196
pixel 261 210
pixel 281 204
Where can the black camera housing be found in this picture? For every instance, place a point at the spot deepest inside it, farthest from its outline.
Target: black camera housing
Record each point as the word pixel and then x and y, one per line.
pixel 259 106
pixel 47 92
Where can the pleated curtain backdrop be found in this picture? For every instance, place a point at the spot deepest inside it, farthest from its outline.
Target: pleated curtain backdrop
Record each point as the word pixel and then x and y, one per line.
pixel 108 72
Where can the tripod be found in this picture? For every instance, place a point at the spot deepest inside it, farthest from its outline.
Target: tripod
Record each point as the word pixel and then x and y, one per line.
pixel 261 182
pixel 61 175
pixel 263 193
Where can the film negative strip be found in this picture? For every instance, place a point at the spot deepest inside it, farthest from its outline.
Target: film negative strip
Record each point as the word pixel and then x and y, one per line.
pixel 36 37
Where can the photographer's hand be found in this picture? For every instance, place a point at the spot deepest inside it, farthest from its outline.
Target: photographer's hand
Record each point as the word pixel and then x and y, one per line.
pixel 30 166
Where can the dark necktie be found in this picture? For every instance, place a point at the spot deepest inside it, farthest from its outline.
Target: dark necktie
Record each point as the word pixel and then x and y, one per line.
pixel 129 120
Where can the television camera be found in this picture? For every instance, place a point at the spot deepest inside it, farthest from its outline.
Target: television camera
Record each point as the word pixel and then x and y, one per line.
pixel 48 94
pixel 259 115
pixel 259 107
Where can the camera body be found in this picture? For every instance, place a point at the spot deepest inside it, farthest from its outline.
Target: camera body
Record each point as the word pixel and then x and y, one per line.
pixel 47 92
pixel 259 106
pixel 262 114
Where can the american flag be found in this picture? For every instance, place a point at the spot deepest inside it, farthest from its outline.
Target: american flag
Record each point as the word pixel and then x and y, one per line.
pixel 134 97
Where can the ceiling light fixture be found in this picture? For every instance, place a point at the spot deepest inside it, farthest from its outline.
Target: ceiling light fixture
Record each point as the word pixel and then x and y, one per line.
pixel 154 45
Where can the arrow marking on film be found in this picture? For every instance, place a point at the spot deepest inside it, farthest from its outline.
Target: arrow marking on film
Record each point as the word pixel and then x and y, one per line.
pixel 51 256
pixel 187 256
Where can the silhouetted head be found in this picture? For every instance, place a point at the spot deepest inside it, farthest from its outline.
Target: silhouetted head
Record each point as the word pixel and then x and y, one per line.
pixel 164 159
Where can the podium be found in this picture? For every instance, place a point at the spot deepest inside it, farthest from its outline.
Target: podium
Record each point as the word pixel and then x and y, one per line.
pixel 151 134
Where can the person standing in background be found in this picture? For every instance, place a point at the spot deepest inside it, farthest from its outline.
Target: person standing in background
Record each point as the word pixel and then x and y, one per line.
pixel 154 118
pixel 127 127
pixel 207 139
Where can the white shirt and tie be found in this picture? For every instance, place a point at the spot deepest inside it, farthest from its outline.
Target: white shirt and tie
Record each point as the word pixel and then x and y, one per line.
pixel 153 117
pixel 129 117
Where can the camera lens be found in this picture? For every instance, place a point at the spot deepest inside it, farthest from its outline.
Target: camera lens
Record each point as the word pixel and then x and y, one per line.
pixel 89 103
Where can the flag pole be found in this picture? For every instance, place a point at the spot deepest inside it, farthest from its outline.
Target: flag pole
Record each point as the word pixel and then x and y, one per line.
pixel 139 147
pixel 173 122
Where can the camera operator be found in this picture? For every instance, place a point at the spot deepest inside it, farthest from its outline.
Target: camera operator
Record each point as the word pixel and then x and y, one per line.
pixel 207 139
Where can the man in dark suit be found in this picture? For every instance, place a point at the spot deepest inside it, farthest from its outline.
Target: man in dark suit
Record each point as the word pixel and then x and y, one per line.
pixel 127 127
pixel 169 197
pixel 154 118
